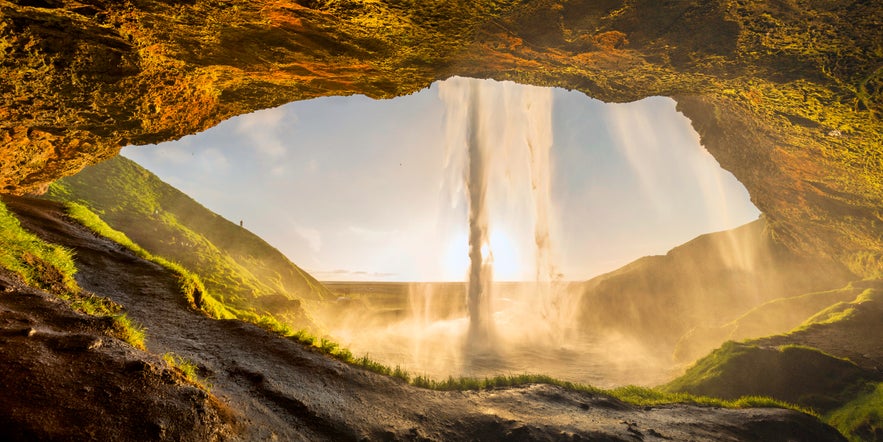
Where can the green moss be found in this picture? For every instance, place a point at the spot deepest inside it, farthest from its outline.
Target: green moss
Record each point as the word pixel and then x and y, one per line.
pixel 838 312
pixel 223 269
pixel 233 264
pixel 52 268
pixel 191 286
pixel 862 418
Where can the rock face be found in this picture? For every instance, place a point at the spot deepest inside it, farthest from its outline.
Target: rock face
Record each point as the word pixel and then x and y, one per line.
pixel 786 95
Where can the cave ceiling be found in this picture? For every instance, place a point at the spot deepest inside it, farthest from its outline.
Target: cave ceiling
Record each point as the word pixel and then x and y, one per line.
pixel 786 94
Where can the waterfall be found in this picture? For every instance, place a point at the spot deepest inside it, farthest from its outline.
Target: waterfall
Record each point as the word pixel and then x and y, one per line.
pixel 499 132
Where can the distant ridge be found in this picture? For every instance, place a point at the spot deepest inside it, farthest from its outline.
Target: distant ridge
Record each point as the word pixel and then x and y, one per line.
pixel 704 283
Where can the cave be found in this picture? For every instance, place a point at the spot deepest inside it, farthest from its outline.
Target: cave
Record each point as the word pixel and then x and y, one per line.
pixel 785 95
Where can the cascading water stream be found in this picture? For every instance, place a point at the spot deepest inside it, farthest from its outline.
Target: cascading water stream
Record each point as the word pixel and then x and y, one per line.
pixel 500 127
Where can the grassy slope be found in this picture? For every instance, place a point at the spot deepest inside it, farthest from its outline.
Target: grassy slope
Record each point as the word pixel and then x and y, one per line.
pixel 38 263
pixel 192 288
pixel 706 282
pixel 236 266
pixel 51 267
pixel 808 366
pixel 772 317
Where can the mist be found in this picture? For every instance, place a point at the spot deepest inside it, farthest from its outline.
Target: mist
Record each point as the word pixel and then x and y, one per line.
pixel 499 138
pixel 517 195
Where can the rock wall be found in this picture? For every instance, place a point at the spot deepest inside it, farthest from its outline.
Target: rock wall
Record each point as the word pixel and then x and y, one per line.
pixel 786 94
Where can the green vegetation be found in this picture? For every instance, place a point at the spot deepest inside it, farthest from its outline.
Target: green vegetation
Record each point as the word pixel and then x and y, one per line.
pixel 51 267
pixel 737 369
pixel 195 292
pixel 38 263
pixel 199 297
pixel 129 331
pixel 845 395
pixel 191 286
pixel 862 418
pixel 231 261
pixel 841 311
pixel 224 269
pixel 639 396
pixel 187 369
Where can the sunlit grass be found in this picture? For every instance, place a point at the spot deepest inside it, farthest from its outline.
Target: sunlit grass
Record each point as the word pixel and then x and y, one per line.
pixel 236 267
pixel 634 395
pixel 198 297
pixel 129 331
pixel 38 263
pixel 191 285
pixel 51 267
pixel 187 369
pixel 862 418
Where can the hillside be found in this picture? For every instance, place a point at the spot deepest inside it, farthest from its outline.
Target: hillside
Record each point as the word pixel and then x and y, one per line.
pixel 236 266
pixel 265 386
pixel 704 283
pixel 833 363
pixel 770 318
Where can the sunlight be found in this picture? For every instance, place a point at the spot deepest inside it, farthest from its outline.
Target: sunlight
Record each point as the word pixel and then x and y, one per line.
pixel 624 181
pixel 508 265
pixel 455 261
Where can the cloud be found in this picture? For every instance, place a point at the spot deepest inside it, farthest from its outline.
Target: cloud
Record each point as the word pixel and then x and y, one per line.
pixel 263 130
pixel 214 161
pixel 348 274
pixel 311 236
pixel 371 234
pixel 313 166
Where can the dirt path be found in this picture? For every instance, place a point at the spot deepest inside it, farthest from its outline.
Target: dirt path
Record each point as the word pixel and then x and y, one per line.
pixel 280 390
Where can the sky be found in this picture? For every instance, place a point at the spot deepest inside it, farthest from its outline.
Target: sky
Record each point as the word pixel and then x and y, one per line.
pixel 351 188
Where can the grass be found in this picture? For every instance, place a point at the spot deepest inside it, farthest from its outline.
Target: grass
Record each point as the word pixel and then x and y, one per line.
pixel 781 372
pixel 833 389
pixel 129 331
pixel 191 286
pixel 862 418
pixel 51 267
pixel 187 369
pixel 38 263
pixel 194 290
pixel 638 396
pixel 233 264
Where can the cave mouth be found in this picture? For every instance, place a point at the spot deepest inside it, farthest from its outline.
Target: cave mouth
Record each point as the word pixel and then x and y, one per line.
pixel 359 191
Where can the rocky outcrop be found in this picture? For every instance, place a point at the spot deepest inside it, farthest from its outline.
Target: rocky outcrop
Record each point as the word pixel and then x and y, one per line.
pixel 786 95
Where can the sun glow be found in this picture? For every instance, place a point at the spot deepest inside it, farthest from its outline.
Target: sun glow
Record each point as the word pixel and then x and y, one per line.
pixel 503 251
pixel 508 265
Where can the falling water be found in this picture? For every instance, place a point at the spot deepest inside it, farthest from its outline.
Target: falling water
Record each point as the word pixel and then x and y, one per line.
pixel 497 184
pixel 498 125
pixel 480 259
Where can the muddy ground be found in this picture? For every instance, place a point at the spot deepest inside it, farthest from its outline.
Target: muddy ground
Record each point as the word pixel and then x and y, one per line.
pixel 65 378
